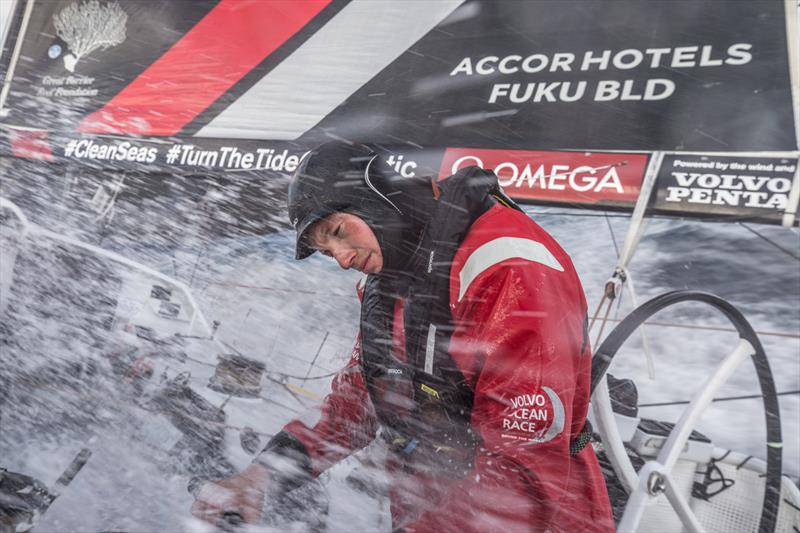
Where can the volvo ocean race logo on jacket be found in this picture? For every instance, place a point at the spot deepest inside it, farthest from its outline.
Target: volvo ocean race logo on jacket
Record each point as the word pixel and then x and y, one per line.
pixel 535 417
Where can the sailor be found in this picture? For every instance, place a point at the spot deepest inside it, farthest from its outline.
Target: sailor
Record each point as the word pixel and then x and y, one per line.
pixel 472 362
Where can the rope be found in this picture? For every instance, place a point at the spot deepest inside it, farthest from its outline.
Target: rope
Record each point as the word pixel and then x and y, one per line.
pixel 613 237
pixel 570 214
pixel 597 311
pixel 591 325
pixel 281 289
pixel 773 243
pixel 316 355
pixel 213 423
pixel 654 216
pixel 308 378
pixel 281 374
pixel 199 362
pixel 603 323
pixel 724 399
pixel 648 353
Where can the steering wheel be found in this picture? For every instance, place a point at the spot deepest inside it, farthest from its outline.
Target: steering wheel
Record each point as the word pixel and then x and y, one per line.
pixel 655 477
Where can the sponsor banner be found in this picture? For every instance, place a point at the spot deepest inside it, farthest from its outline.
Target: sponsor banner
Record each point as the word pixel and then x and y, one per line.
pixel 725 187
pixel 553 75
pixel 581 178
pixel 202 155
pixel 588 179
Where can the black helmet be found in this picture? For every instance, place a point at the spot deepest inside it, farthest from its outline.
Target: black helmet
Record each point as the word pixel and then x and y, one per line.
pixel 334 177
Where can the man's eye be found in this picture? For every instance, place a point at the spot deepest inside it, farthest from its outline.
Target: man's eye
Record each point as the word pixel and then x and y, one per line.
pixel 338 231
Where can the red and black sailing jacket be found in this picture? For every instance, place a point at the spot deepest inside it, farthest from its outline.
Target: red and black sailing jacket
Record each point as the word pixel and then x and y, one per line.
pixel 476 372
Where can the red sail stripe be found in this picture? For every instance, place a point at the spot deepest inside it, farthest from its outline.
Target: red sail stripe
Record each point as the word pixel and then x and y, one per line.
pixel 217 52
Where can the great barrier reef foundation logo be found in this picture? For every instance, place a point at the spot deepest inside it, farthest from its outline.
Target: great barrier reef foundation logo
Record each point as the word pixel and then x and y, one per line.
pixel 89 26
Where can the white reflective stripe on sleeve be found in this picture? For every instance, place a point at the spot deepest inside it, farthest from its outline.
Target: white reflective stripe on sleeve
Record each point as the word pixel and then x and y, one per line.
pixel 430 346
pixel 500 249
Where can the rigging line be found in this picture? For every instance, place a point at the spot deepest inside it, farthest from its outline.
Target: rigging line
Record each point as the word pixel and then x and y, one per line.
pixel 648 353
pixel 604 322
pixel 198 361
pixel 723 399
pixel 773 243
pixel 290 391
pixel 597 311
pixel 713 328
pixel 316 355
pixel 619 300
pixel 283 405
pixel 280 289
pixel 196 261
pixel 569 214
pixel 655 216
pixel 284 354
pixel 310 378
pixel 262 397
pixel 613 237
pixel 213 423
pixel 616 250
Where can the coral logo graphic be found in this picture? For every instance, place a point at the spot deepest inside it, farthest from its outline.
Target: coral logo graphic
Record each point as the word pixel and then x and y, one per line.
pixel 89 26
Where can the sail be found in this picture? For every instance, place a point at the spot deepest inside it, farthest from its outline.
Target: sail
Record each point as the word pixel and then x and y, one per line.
pixel 565 100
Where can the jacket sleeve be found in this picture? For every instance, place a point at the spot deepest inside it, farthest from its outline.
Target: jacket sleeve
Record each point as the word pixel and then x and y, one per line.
pixel 343 423
pixel 519 339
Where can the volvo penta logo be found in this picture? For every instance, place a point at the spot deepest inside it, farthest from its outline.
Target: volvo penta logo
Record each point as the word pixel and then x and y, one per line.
pixel 89 26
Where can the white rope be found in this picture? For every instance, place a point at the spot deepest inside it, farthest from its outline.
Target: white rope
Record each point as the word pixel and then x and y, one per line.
pixel 648 354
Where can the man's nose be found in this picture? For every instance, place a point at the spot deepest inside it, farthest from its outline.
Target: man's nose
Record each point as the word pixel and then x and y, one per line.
pixel 344 257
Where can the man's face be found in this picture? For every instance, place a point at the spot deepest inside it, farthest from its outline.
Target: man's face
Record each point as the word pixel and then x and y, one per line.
pixel 349 240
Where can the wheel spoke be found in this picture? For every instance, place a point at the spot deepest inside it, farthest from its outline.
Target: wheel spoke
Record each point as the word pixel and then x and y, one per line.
pixel 702 399
pixel 612 441
pixel 638 500
pixel 681 506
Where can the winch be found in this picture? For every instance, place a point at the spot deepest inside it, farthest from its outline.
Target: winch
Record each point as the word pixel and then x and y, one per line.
pixel 238 376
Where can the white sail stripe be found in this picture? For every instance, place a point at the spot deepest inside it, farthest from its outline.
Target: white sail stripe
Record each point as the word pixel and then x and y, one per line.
pixel 348 51
pixel 499 250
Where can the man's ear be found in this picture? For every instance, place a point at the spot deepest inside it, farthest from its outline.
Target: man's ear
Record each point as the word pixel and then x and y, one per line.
pixel 437 192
